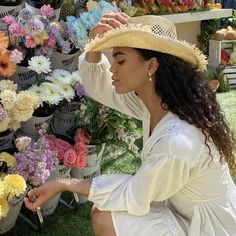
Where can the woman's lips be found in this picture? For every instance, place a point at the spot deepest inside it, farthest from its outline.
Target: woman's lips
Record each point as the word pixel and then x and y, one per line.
pixel 115 82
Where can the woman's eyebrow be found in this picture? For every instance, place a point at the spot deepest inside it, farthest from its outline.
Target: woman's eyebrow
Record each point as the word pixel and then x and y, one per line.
pixel 117 53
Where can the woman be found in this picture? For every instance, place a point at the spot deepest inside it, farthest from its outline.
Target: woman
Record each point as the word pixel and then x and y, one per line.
pixel 183 186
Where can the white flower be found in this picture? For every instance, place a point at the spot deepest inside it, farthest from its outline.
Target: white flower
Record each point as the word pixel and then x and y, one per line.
pixel 38 91
pixel 67 92
pixel 39 64
pixel 62 76
pixel 76 78
pixel 50 93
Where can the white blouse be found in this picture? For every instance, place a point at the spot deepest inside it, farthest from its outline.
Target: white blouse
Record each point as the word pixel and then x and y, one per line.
pixel 176 169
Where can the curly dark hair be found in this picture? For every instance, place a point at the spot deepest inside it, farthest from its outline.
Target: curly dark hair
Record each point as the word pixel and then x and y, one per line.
pixel 186 94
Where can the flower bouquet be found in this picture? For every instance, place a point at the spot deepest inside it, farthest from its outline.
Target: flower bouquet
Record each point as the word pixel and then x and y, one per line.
pixel 14 109
pixel 12 191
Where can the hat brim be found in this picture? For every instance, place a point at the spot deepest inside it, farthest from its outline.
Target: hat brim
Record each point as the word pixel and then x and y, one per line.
pixel 146 39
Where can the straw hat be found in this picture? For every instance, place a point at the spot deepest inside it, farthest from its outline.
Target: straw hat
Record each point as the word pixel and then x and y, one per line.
pixel 153 33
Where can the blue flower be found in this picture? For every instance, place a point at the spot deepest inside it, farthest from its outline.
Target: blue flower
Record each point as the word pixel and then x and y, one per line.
pixel 88 20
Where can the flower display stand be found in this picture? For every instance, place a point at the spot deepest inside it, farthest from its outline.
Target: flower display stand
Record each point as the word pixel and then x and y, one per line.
pixel 92 169
pixel 23 77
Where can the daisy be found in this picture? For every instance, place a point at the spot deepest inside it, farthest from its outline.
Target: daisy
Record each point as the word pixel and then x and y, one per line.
pixel 39 64
pixel 7 67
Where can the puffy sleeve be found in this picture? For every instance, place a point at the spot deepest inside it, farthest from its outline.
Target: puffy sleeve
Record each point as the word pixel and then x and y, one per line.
pixel 162 174
pixel 96 79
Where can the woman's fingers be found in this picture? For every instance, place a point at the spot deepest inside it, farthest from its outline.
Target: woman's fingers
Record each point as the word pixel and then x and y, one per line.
pixel 108 22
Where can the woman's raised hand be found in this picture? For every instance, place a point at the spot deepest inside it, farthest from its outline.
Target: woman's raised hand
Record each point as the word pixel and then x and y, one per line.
pixel 107 22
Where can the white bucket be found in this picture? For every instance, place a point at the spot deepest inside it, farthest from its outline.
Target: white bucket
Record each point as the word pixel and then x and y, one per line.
pixel 64 61
pixel 24 76
pixel 9 221
pixel 64 119
pixel 31 127
pixel 6 139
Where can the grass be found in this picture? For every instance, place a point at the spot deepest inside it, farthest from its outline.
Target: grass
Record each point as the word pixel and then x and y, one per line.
pixel 69 222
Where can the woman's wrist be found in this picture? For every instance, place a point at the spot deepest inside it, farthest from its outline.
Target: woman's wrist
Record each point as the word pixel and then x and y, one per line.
pixel 93 57
pixel 80 186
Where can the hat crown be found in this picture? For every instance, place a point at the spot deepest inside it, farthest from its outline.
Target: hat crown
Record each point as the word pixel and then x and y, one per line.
pixel 159 25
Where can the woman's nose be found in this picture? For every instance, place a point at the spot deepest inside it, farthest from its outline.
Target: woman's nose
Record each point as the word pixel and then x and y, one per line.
pixel 112 70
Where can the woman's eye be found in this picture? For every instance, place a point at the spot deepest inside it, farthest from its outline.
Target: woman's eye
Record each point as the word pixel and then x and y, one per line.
pixel 121 62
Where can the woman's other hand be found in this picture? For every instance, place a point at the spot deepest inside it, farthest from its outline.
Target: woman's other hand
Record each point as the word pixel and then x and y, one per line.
pixel 38 197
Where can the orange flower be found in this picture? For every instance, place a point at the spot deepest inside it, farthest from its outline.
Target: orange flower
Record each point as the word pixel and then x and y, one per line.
pixel 3 41
pixel 7 67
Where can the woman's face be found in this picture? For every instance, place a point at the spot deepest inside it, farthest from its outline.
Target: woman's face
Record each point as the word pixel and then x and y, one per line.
pixel 130 70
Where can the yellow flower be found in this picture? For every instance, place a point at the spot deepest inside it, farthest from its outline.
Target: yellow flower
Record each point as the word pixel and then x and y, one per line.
pixel 4 207
pixel 39 38
pixel 2 189
pixel 14 185
pixel 7 85
pixel 8 158
pixel 8 98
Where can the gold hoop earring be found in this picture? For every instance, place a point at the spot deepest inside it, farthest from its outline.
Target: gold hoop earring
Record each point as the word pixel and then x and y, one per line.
pixel 150 77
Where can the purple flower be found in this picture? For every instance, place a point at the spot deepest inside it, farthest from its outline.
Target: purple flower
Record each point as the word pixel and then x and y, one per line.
pixel 36 162
pixel 79 89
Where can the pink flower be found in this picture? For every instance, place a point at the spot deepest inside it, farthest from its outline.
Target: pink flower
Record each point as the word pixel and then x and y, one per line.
pixel 60 155
pixel 9 19
pixel 50 137
pixel 81 161
pixel 16 56
pixel 81 136
pixel 50 42
pixel 29 42
pixel 81 148
pixel 62 144
pixel 47 11
pixel 15 29
pixel 70 158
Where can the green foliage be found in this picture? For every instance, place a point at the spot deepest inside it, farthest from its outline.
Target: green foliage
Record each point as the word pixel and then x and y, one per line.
pixel 105 125
pixel 207 28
